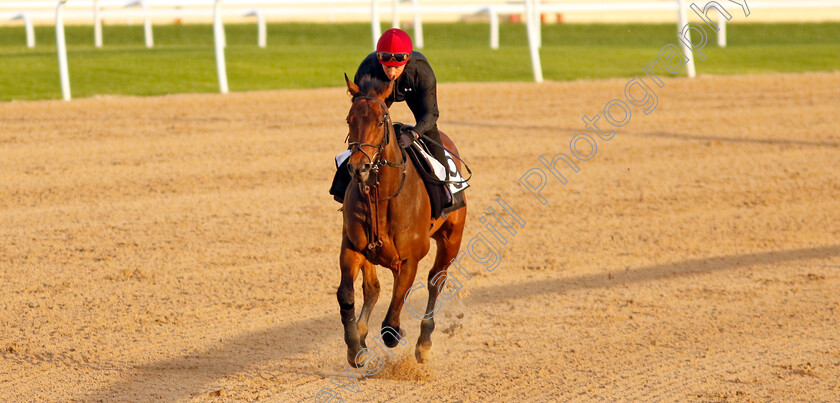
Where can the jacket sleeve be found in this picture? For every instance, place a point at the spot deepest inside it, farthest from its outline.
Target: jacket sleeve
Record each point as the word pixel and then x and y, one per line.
pixel 364 69
pixel 428 114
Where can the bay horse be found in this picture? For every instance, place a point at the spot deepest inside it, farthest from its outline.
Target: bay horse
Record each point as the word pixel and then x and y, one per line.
pixel 387 222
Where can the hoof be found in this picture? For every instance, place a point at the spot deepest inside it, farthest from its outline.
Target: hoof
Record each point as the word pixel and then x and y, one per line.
pixel 389 339
pixel 423 354
pixel 351 357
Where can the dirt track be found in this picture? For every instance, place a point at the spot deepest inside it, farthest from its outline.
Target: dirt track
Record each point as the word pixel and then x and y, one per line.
pixel 184 248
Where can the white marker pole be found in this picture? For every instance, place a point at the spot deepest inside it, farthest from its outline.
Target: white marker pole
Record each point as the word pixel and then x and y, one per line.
pixel 722 27
pixel 218 39
pixel 374 22
pixel 532 41
pixel 682 21
pixel 97 25
pixel 61 45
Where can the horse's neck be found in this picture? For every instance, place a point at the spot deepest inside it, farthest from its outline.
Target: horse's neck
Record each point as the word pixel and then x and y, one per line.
pixel 392 152
pixel 389 176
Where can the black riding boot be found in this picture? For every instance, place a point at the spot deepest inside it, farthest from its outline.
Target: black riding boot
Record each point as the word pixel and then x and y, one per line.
pixel 340 182
pixel 440 155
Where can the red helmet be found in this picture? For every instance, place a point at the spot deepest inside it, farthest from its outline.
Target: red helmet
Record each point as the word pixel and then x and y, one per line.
pixel 394 47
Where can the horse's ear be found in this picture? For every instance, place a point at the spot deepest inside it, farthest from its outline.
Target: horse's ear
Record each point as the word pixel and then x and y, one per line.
pixel 388 91
pixel 351 86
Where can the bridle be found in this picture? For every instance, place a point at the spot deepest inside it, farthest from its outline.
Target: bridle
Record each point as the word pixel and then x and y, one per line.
pixel 377 161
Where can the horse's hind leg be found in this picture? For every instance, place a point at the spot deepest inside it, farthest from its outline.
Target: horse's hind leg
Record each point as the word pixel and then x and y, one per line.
pixel 350 262
pixel 448 240
pixel 371 291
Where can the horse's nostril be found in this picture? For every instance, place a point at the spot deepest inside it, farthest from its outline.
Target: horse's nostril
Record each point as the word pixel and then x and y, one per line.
pixel 361 171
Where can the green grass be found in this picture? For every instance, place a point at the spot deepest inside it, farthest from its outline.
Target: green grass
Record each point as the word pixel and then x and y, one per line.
pixel 311 56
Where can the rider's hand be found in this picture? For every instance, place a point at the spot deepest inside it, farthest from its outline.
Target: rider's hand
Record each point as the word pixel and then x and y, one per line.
pixel 407 136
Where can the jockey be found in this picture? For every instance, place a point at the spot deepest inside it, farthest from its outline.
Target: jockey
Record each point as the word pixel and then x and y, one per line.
pixel 414 82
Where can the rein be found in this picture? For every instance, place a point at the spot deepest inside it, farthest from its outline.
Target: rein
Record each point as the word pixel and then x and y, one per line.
pixel 372 192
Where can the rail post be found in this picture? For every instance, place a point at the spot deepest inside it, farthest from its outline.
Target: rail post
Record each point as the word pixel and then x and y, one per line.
pixel 374 21
pixel 30 29
pixel 532 40
pixel 219 42
pixel 97 25
pixel 418 25
pixel 61 47
pixel 147 25
pixel 261 30
pixel 494 27
pixel 682 21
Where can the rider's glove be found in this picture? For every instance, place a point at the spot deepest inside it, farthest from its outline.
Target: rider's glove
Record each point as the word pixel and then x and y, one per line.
pixel 407 136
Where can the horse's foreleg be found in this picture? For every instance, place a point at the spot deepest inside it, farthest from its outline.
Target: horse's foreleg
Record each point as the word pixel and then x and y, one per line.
pixel 403 279
pixel 371 291
pixel 350 262
pixel 448 243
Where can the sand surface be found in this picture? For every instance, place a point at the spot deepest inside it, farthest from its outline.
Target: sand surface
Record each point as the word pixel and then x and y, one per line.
pixel 185 248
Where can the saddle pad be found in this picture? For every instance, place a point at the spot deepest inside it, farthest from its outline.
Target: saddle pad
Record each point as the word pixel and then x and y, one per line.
pixel 439 170
pixel 433 188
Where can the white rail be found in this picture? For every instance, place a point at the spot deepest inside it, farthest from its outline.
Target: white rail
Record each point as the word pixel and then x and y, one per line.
pixel 29 11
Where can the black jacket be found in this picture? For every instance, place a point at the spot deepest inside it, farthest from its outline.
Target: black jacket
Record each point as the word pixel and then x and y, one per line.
pixel 417 86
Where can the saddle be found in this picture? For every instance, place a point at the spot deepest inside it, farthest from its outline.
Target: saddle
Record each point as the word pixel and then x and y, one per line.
pixel 443 197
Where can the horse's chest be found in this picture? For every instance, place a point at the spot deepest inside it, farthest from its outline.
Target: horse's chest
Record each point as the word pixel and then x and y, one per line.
pixel 379 250
pixel 385 256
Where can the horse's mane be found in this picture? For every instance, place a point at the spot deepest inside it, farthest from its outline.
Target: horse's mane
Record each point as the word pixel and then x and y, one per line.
pixel 370 86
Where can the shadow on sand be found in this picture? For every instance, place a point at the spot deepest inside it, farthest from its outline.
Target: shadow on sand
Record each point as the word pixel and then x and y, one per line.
pixel 195 372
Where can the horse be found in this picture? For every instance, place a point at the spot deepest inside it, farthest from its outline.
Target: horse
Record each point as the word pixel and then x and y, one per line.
pixel 387 222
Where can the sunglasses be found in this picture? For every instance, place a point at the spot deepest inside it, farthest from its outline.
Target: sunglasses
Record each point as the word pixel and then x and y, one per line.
pixel 392 57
